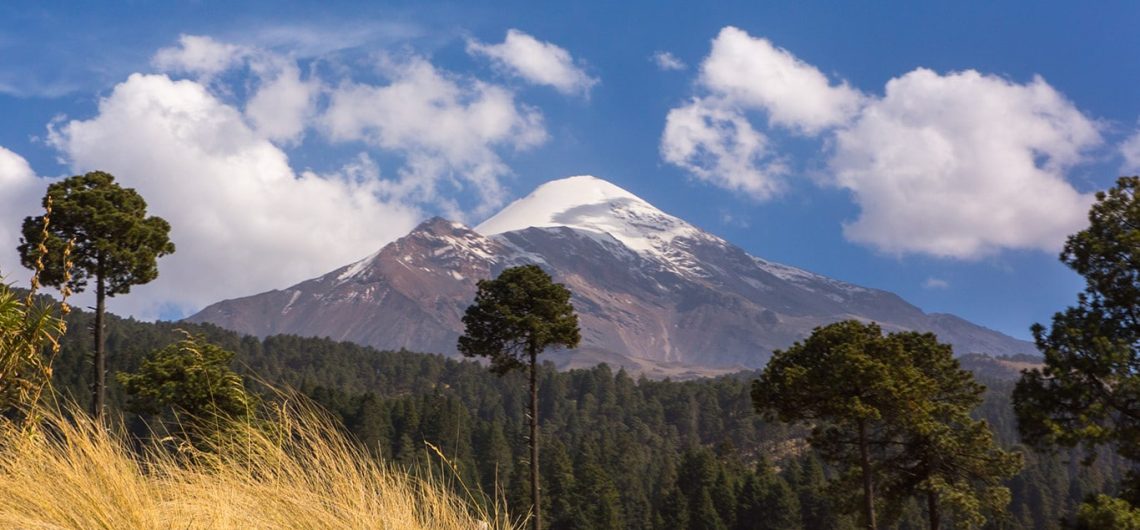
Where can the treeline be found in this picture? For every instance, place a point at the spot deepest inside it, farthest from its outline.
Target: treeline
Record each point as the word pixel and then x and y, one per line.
pixel 617 452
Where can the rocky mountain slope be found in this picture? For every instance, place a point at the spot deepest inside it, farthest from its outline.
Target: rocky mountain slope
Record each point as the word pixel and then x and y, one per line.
pixel 654 293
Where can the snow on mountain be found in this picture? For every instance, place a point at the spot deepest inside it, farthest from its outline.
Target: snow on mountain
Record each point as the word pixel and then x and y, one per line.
pixel 594 205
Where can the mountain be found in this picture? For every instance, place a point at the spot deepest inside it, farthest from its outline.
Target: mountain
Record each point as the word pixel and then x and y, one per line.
pixel 654 294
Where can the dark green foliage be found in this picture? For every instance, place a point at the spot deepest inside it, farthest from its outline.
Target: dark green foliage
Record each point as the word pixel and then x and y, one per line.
pixel 1089 390
pixel 1108 513
pixel 894 413
pixel 192 380
pixel 112 241
pixel 698 481
pixel 848 382
pixel 767 503
pixel 639 431
pixel 563 507
pixel 598 499
pixel 113 237
pixel 947 456
pixel 516 317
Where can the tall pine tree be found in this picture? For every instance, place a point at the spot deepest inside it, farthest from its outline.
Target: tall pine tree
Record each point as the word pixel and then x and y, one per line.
pixel 516 317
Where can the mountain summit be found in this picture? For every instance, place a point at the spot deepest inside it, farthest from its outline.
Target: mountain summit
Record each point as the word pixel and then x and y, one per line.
pixel 654 293
pixel 590 204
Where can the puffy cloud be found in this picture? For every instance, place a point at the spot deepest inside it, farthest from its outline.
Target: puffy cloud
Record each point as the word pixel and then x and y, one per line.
pixel 751 73
pixel 538 62
pixel 964 164
pixel 667 61
pixel 20 194
pixel 284 104
pixel 720 147
pixel 956 165
pixel 712 138
pixel 242 219
pixel 200 56
pixel 446 127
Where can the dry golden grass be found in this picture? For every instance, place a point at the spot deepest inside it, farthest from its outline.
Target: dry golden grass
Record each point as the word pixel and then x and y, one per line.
pixel 294 470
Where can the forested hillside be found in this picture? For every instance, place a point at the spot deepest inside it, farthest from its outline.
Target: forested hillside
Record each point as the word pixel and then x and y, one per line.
pixel 617 452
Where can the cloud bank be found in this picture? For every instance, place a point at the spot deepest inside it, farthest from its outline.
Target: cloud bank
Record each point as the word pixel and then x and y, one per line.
pixel 242 219
pixel 958 165
pixel 442 124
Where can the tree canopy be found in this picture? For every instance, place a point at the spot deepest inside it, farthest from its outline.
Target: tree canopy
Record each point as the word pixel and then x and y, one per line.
pixel 638 432
pixel 98 230
pixel 191 378
pixel 114 239
pixel 517 315
pixel 894 412
pixel 515 318
pixel 1088 392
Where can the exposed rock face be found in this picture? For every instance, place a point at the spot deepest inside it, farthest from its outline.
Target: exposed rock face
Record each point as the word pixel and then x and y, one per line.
pixel 648 287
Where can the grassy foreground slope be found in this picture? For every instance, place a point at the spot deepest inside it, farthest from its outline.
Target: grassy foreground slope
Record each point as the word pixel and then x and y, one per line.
pixel 294 470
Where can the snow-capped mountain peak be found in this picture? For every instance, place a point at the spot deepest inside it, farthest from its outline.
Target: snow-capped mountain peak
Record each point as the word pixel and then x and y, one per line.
pixel 595 205
pixel 648 287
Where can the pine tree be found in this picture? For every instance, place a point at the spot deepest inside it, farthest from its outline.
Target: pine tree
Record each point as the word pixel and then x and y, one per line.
pixel 767 502
pixel 897 409
pixel 1087 391
pixel 848 381
pixel 947 456
pixel 516 317
pixel 599 499
pixel 193 379
pixel 111 240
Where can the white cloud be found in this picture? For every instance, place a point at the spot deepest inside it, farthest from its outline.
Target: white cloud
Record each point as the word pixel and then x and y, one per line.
pixel 200 56
pixel 712 137
pixel 720 147
pixel 667 61
pixel 935 283
pixel 753 74
pixel 962 165
pixel 1130 150
pixel 959 165
pixel 538 62
pixel 446 127
pixel 242 219
pixel 284 103
pixel 20 196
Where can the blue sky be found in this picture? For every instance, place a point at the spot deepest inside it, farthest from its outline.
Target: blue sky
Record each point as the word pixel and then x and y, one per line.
pixel 940 151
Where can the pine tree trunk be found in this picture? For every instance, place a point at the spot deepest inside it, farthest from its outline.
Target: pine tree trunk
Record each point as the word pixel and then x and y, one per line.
pixel 534 440
pixel 100 382
pixel 868 483
pixel 932 507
